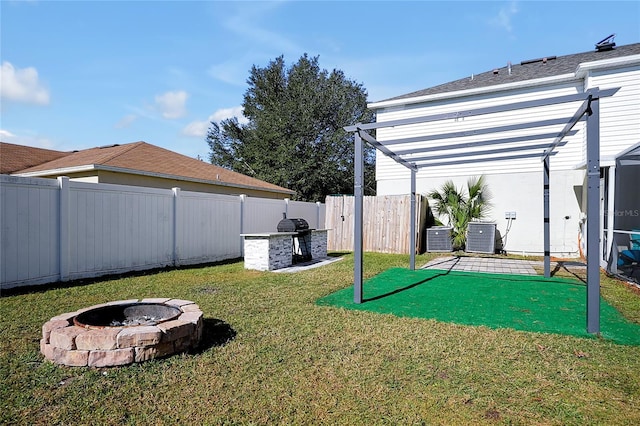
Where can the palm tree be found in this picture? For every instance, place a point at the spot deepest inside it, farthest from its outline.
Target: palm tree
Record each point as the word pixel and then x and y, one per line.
pixel 459 208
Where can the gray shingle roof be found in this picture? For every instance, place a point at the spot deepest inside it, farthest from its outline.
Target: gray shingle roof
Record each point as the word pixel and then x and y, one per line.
pixel 553 66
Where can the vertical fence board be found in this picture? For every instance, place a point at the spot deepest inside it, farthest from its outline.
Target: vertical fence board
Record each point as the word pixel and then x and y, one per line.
pixel 313 212
pixel 386 223
pixel 28 227
pixel 9 234
pixel 262 215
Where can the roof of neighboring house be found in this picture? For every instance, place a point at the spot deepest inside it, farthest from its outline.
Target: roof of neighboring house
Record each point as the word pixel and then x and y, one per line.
pixel 18 157
pixel 527 70
pixel 151 160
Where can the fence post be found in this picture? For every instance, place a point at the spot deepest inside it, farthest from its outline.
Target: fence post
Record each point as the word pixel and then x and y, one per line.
pixel 286 207
pixel 318 216
pixel 63 227
pixel 175 230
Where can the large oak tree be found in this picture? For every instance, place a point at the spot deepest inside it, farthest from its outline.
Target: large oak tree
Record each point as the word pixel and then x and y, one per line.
pixel 295 137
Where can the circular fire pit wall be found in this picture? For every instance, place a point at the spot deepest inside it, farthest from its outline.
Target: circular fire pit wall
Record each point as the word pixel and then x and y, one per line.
pixel 122 332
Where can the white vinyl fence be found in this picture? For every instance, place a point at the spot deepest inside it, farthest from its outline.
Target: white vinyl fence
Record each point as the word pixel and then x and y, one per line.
pixel 64 230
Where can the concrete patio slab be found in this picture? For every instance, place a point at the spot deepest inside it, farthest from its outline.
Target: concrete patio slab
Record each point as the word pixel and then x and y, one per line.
pixel 484 264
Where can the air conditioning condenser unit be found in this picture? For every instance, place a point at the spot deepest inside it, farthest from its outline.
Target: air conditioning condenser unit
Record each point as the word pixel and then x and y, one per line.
pixel 481 237
pixel 439 238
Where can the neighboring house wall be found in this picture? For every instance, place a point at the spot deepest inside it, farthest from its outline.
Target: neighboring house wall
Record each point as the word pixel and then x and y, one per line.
pixel 54 230
pixel 517 185
pixel 157 182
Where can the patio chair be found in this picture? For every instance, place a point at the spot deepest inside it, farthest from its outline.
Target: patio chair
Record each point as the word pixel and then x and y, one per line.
pixel 629 260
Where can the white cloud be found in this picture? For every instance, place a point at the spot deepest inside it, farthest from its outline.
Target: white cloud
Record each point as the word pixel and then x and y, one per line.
pixel 27 140
pixel 172 104
pixel 6 135
pixel 22 85
pixel 503 19
pixel 199 128
pixel 126 121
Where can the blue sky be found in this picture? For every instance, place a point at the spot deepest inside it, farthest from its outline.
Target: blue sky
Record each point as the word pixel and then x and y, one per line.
pixel 79 74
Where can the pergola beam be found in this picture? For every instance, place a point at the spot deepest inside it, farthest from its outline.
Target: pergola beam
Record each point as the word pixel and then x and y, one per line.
pixel 487 142
pixel 478 132
pixel 475 160
pixel 373 142
pixel 479 111
pixel 567 128
pixel 484 152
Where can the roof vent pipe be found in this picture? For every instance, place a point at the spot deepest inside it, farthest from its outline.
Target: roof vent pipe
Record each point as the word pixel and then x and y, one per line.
pixel 509 67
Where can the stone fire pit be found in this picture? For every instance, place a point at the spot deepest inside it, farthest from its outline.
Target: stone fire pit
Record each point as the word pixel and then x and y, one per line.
pixel 122 332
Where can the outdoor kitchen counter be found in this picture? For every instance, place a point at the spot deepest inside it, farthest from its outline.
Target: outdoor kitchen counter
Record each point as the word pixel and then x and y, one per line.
pixel 268 251
pixel 268 234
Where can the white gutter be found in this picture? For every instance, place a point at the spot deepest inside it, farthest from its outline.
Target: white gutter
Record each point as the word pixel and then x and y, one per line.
pixel 584 68
pixel 96 167
pixel 74 169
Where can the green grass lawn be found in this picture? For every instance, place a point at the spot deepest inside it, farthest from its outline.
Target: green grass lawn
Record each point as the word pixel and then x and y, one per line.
pixel 272 355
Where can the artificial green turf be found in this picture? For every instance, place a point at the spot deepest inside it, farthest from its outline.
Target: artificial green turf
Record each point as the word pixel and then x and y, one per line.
pixel 521 302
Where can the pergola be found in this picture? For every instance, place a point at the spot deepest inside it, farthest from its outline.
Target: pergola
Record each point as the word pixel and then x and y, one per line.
pixel 414 154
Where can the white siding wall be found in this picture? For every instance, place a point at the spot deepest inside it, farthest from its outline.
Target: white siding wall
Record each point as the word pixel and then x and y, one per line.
pixel 62 230
pixel 522 193
pixel 620 114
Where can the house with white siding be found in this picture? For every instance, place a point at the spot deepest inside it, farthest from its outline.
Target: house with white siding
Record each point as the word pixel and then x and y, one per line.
pixel 517 184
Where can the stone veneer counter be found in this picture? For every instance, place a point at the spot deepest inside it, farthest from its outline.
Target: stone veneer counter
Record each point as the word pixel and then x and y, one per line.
pixel 268 251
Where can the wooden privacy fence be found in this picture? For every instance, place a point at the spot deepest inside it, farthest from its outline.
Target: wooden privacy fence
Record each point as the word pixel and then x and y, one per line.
pixel 61 230
pixel 386 223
